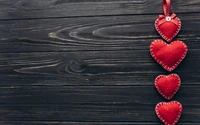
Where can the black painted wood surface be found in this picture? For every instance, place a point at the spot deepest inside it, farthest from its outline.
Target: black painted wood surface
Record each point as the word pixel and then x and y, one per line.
pixel 87 62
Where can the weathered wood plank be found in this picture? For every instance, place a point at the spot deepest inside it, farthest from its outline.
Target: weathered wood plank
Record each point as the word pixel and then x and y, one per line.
pixel 84 123
pixel 18 9
pixel 94 33
pixel 90 68
pixel 91 103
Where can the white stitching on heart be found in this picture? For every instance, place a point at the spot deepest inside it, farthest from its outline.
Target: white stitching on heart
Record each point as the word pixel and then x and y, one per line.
pixel 161 63
pixel 177 88
pixel 168 39
pixel 164 103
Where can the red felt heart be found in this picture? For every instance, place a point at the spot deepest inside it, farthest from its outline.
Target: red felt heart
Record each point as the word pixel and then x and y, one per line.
pixel 168 85
pixel 169 112
pixel 168 55
pixel 168 26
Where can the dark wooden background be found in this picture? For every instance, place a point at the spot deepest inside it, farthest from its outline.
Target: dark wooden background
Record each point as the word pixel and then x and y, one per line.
pixel 87 62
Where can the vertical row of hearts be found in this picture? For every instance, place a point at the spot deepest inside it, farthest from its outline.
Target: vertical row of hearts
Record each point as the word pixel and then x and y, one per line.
pixel 168 54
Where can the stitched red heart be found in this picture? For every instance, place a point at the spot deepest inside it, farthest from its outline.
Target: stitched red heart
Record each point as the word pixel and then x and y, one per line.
pixel 168 26
pixel 168 55
pixel 169 112
pixel 168 85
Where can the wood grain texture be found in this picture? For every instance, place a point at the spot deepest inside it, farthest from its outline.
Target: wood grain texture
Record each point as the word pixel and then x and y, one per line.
pixel 18 9
pixel 91 50
pixel 87 62
pixel 91 103
pixel 91 33
pixel 65 69
pixel 84 123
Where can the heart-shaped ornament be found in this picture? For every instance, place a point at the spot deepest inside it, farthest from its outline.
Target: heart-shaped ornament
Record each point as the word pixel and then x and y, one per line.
pixel 169 112
pixel 168 55
pixel 168 85
pixel 168 26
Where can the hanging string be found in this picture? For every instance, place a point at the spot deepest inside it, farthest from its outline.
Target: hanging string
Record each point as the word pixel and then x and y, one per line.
pixel 166 7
